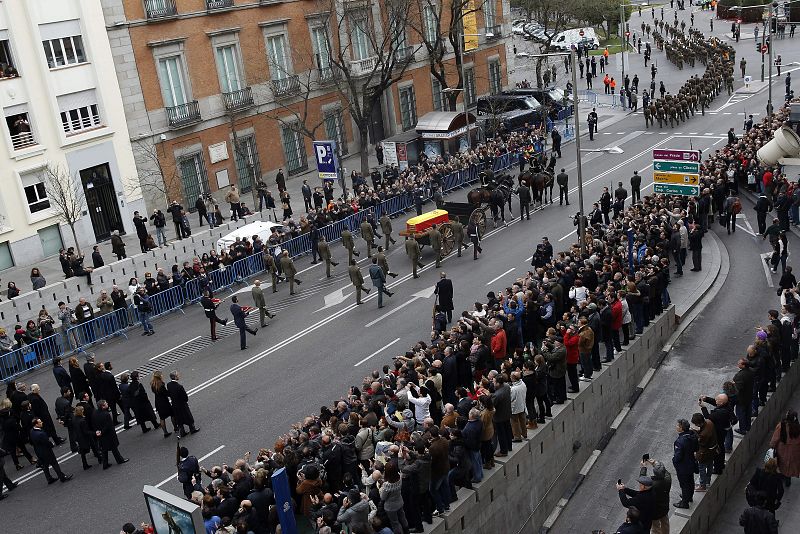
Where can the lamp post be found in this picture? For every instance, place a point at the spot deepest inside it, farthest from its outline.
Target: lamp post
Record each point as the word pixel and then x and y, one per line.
pixel 461 44
pixel 772 8
pixel 573 55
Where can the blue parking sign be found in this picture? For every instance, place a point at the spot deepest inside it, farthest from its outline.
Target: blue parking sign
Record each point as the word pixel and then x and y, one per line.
pixel 327 164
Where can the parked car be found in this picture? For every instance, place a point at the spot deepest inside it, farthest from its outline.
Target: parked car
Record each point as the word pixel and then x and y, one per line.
pixel 518 26
pixel 569 38
pixel 499 104
pixel 553 98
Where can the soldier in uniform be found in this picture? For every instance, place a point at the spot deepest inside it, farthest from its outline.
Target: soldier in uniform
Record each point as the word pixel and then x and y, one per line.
pixel 325 255
pixel 458 235
pixel 414 253
pixel 269 263
pixel 357 279
pixel 368 235
pixel 384 263
pixel 435 238
pixel 648 120
pixel 347 242
pixel 260 303
pixel 386 228
pixel 289 271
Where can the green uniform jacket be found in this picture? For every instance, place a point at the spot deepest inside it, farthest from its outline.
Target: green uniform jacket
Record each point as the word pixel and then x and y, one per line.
pixel 258 297
pixel 412 249
pixel 347 239
pixel 386 224
pixel 366 231
pixel 287 266
pixel 384 265
pixel 355 275
pixel 436 239
pixel 269 262
pixel 458 231
pixel 324 250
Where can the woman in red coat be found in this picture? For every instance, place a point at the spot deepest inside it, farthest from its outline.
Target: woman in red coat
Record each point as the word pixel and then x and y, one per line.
pixel 571 340
pixel 786 442
pixel 616 321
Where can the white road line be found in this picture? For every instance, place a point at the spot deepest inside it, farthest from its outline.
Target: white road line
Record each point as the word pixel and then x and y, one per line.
pixel 174 348
pixel 493 280
pixel 746 230
pixel 718 142
pixel 566 236
pixel 709 133
pixel 121 373
pixel 390 312
pixel 199 460
pixel 645 168
pixel 529 259
pixel 749 226
pixel 377 352
pixel 767 272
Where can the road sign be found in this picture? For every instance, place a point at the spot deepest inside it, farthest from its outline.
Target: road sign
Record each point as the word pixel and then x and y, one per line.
pixel 764 49
pixel 676 166
pixel 677 155
pixel 677 189
pixel 327 164
pixel 676 178
pixel 581 33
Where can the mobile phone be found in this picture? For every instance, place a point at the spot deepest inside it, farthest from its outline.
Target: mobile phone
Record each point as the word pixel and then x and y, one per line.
pixel 645 457
pixel 619 481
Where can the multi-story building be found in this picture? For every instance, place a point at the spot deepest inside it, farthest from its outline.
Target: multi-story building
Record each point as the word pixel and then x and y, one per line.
pixel 63 122
pixel 212 88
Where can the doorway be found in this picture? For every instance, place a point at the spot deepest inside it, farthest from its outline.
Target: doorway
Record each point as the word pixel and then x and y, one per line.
pixel 376 133
pixel 101 201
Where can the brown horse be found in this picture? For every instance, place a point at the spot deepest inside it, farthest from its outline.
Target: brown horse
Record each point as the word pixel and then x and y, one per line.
pixel 540 183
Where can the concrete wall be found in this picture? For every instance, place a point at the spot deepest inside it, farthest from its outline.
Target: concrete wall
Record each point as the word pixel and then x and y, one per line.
pixel 746 452
pixel 521 493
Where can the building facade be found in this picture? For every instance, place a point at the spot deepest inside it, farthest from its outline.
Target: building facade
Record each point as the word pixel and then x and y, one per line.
pixel 61 117
pixel 213 89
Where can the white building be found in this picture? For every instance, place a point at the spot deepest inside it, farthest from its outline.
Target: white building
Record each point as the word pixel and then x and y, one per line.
pixel 62 109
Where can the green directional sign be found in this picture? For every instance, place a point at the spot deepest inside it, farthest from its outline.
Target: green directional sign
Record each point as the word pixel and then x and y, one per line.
pixel 677 166
pixel 677 189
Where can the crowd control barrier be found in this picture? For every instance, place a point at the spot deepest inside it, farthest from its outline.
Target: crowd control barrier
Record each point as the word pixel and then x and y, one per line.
pixel 81 336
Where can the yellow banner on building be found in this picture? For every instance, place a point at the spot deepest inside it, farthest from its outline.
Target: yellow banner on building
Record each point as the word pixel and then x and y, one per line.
pixel 470 25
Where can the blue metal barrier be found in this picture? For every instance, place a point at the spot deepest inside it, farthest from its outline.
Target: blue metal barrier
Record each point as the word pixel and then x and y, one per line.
pixel 222 278
pixel 192 291
pixel 31 356
pixel 167 301
pixel 98 329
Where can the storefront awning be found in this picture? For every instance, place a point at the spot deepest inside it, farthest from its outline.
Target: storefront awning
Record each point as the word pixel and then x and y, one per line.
pixel 443 124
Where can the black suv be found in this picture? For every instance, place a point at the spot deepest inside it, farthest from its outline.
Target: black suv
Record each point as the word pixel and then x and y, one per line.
pixel 553 98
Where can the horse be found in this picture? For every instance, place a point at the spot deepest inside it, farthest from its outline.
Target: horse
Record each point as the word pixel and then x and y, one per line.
pixel 540 181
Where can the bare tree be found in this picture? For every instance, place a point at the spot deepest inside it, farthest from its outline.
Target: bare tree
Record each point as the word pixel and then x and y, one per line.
pixel 157 178
pixel 66 197
pixel 554 16
pixel 369 53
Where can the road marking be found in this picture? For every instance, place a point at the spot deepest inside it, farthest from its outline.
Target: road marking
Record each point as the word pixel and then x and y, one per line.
pixel 493 280
pixel 424 294
pixel 377 352
pixel 199 460
pixel 746 230
pixel 709 133
pixel 121 373
pixel 767 272
pixel 645 168
pixel 174 348
pixel 566 236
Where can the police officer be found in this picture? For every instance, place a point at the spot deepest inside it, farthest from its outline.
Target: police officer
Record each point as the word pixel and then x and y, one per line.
pixel 435 238
pixel 378 280
pixel 414 253
pixel 386 228
pixel 368 235
pixel 325 255
pixel 384 263
pixel 347 242
pixel 357 279
pixel 289 271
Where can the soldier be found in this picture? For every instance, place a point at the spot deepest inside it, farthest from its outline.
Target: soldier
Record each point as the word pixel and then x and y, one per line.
pixel 435 238
pixel 357 279
pixel 368 235
pixel 458 235
pixel 384 263
pixel 269 263
pixel 289 271
pixel 414 253
pixel 386 228
pixel 347 242
pixel 260 303
pixel 325 255
pixel 648 120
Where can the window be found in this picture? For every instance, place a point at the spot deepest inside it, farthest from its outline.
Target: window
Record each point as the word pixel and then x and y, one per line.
pixel 7 67
pixel 294 149
pixel 436 91
pixel 19 127
pixel 248 166
pixel 495 78
pixel 79 111
pixel 359 34
pixel 64 51
pixel 469 86
pixel 322 53
pixel 173 88
pixel 408 107
pixel 230 79
pixel 36 196
pixel 398 21
pixel 489 16
pixel 194 178
pixel 278 58
pixel 6 259
pixel 334 129
pixel 431 26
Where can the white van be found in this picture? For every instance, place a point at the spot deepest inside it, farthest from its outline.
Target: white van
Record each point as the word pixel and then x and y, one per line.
pixel 262 229
pixel 566 39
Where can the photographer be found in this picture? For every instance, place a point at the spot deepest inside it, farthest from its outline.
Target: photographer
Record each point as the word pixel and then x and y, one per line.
pixel 662 483
pixel 643 500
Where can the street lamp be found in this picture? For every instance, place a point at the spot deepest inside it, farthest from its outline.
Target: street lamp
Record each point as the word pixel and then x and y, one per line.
pixel 461 43
pixel 573 55
pixel 772 7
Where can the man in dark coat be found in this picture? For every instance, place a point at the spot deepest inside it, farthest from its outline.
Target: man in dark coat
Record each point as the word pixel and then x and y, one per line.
pixel 744 379
pixel 180 405
pixel 106 434
pixel 108 390
pixel 643 500
pixel 64 412
pixel 39 409
pixel 757 519
pixel 62 376
pixel 722 417
pixel 444 291
pixel 502 414
pixel 684 461
pixel 239 317
pixel 44 452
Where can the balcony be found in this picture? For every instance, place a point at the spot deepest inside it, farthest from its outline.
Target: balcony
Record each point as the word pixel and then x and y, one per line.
pixel 211 5
pixel 326 75
pixel 183 114
pixel 495 31
pixel 160 9
pixel 286 86
pixel 23 140
pixel 81 124
pixel 238 100
pixel 363 67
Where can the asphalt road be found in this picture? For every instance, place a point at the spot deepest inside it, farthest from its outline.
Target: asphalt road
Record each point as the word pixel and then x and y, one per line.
pixel 311 352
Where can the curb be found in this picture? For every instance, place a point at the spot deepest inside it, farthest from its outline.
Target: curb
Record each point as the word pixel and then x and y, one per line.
pixel 683 321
